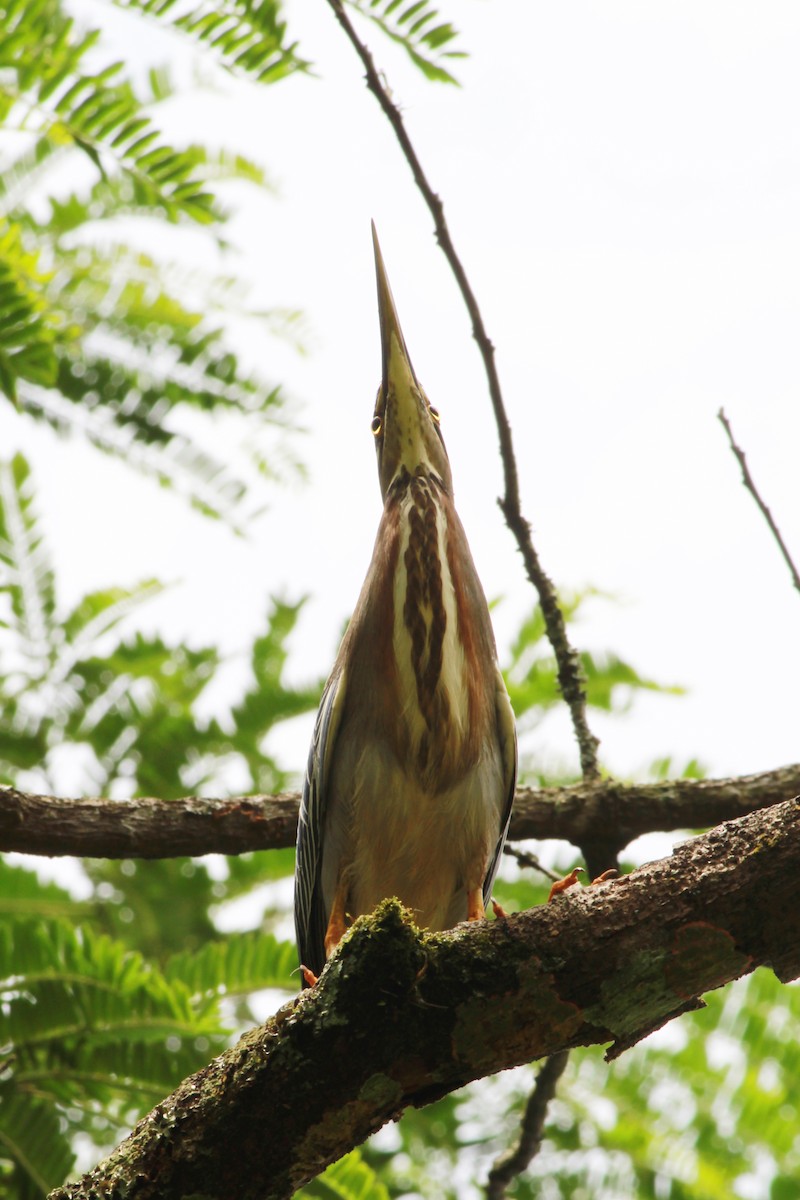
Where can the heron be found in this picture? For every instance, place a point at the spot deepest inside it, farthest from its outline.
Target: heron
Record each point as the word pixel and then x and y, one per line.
pixel 413 759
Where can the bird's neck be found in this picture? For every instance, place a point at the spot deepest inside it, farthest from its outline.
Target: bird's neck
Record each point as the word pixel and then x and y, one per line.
pixel 432 670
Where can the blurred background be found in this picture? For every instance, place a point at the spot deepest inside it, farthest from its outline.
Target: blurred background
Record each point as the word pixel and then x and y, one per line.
pixel 622 186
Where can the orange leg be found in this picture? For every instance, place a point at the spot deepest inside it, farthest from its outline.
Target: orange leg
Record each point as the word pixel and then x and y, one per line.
pixel 499 912
pixel 475 909
pixel 337 925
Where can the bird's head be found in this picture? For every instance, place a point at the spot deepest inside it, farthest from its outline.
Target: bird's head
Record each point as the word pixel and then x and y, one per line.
pixel 406 427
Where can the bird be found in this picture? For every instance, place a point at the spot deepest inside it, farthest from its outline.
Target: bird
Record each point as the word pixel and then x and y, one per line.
pixel 413 760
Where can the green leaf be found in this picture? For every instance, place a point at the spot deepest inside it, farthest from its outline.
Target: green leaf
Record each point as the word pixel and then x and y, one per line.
pixel 60 984
pixel 409 25
pixel 268 700
pixel 22 894
pixel 51 323
pixel 29 329
pixel 247 38
pixel 29 581
pixel 348 1179
pixel 243 962
pixel 531 673
pixel 133 1073
pixel 32 1139
pixel 98 612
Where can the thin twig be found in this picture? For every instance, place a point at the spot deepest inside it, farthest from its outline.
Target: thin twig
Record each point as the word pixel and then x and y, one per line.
pixel 518 1157
pixel 524 859
pixel 570 675
pixel 747 480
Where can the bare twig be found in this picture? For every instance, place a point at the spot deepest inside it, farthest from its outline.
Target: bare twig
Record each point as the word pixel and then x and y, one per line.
pixel 747 480
pixel 524 859
pixel 581 813
pixel 570 675
pixel 518 1157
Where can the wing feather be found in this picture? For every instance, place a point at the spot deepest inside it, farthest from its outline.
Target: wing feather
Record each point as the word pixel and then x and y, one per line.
pixel 507 732
pixel 310 916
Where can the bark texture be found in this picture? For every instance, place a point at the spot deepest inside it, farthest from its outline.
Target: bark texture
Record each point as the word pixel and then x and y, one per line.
pixel 604 814
pixel 401 1018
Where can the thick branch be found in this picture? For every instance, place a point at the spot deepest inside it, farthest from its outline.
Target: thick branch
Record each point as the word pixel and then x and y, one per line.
pixel 570 676
pixel 400 1018
pixel 586 814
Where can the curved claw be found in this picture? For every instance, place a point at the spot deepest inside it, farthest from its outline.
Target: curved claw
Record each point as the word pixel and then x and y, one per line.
pixel 611 873
pixel 561 885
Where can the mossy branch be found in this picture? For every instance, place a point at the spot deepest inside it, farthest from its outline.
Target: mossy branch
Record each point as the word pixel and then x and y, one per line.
pixel 402 1018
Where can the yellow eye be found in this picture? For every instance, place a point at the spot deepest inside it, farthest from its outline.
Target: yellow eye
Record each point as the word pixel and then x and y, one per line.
pixel 434 414
pixel 376 426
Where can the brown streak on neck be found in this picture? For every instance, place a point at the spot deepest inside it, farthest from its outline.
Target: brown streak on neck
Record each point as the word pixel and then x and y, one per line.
pixel 474 632
pixel 424 611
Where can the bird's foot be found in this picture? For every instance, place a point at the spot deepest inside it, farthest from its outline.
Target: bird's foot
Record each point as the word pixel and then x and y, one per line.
pixel 499 912
pixel 561 885
pixel 311 980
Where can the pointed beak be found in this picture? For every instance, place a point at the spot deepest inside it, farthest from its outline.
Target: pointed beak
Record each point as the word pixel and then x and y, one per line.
pixel 408 437
pixel 391 333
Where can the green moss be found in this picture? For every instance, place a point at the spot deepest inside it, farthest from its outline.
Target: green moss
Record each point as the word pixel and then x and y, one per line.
pixel 486 1028
pixel 637 990
pixel 380 1091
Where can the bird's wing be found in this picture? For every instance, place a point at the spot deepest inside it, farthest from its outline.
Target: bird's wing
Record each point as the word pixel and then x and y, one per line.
pixel 310 916
pixel 507 732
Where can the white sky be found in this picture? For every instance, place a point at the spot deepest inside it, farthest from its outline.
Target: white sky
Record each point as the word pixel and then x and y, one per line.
pixel 623 185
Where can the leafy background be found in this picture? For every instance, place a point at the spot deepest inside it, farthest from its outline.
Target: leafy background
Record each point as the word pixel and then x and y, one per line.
pixel 126 327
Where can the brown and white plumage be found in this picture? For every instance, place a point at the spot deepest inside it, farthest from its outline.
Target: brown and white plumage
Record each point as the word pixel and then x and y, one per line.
pixel 412 766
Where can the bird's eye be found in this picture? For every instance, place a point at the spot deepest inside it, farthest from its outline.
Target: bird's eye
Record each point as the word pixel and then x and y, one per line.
pixel 376 426
pixel 434 414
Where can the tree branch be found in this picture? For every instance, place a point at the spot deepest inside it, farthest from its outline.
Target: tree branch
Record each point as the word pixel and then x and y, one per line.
pixel 747 480
pixel 515 1160
pixel 594 814
pixel 570 675
pixel 401 1018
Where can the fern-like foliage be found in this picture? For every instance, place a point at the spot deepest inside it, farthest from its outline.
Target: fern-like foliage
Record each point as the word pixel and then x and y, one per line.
pixel 532 673
pixel 107 1003
pixel 128 704
pixel 88 1025
pixel 348 1179
pixel 35 1153
pixel 247 37
pixel 415 25
pixel 28 325
pixel 98 337
pixel 54 94
pixel 242 963
pixel 84 1023
pixel 43 646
